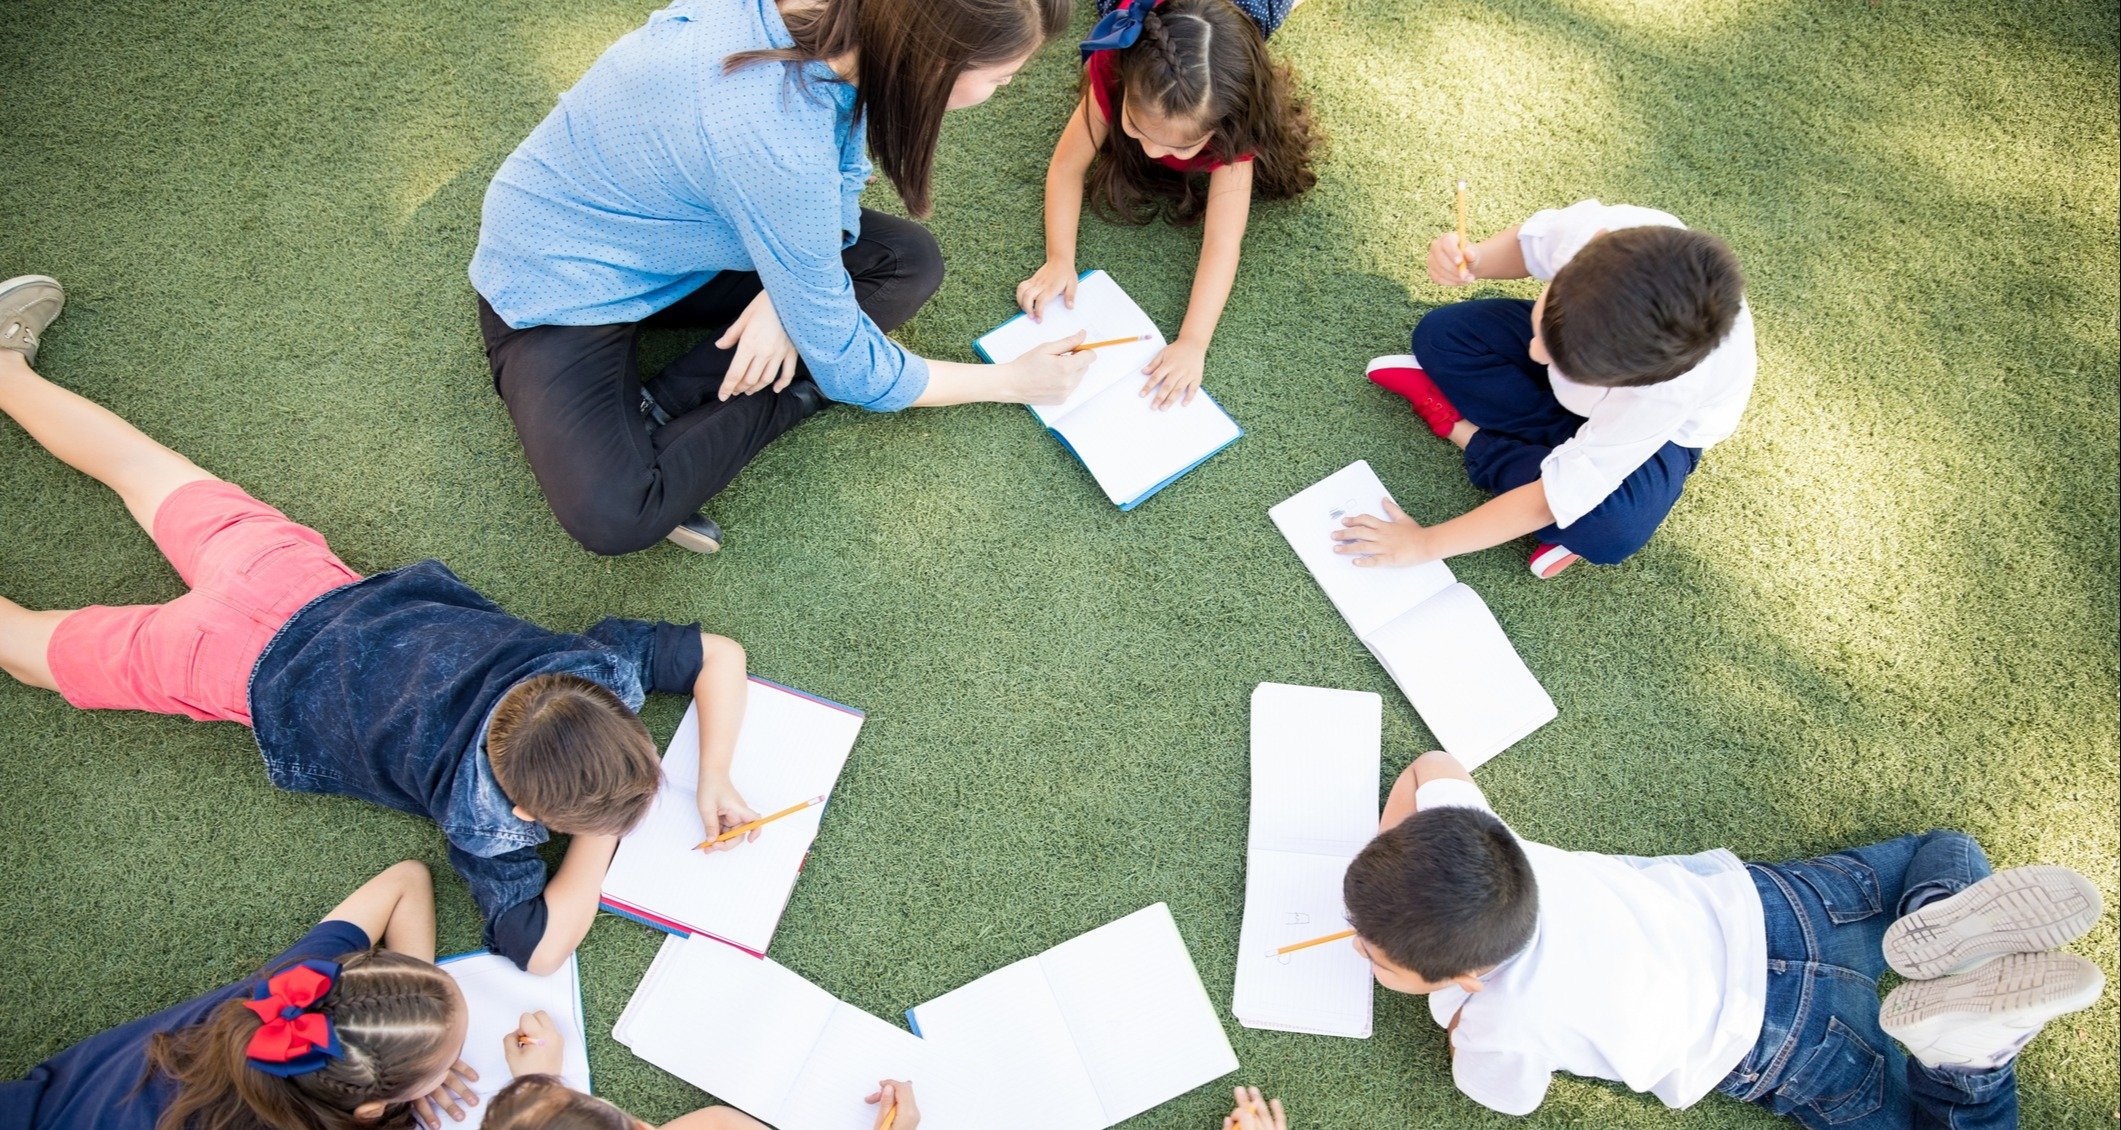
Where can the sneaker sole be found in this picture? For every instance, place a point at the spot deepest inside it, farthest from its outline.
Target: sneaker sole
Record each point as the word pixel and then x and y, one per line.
pixel 1548 565
pixel 696 542
pixel 2022 910
pixel 1970 1017
pixel 1392 361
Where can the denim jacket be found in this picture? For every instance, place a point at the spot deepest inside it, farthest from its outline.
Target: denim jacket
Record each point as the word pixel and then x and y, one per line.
pixel 382 690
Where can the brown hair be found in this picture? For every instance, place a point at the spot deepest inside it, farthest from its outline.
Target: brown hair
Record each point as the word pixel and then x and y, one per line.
pixel 909 54
pixel 1201 61
pixel 571 754
pixel 1444 892
pixel 1640 306
pixel 393 1016
pixel 541 1102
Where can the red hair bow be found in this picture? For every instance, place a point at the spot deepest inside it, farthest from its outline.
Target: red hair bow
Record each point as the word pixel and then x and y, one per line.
pixel 293 1040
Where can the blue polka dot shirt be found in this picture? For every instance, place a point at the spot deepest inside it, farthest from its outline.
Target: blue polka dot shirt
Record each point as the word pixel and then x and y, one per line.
pixel 658 170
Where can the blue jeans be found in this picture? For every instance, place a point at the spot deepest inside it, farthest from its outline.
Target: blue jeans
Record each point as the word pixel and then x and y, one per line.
pixel 1821 1058
pixel 1479 355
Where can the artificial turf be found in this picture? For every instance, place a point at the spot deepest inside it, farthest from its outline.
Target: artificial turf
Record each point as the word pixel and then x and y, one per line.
pixel 1889 603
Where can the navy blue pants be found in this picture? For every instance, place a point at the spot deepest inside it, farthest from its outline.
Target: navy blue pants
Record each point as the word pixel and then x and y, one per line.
pixel 1479 354
pixel 1821 1057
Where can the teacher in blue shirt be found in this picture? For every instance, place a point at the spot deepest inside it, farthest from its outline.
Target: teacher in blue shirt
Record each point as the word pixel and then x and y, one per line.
pixel 707 172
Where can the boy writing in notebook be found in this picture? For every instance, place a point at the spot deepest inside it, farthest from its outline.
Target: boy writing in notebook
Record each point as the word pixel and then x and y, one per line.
pixel 405 688
pixel 1684 975
pixel 1582 412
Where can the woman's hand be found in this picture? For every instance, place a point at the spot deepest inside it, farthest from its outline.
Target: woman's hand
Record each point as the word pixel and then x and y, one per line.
pixel 1392 540
pixel 1049 373
pixel 723 808
pixel 895 1094
pixel 763 351
pixel 1174 373
pixel 451 1097
pixel 1054 279
pixel 535 1047
pixel 1254 1112
pixel 1447 267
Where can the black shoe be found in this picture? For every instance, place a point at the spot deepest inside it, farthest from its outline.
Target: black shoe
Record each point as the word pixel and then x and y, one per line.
pixel 652 411
pixel 698 534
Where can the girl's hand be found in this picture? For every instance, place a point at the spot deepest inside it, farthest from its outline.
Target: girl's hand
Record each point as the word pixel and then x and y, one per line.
pixel 1445 267
pixel 1049 373
pixel 452 1097
pixel 895 1093
pixel 1392 540
pixel 1036 293
pixel 763 351
pixel 1254 1112
pixel 723 808
pixel 1174 374
pixel 535 1047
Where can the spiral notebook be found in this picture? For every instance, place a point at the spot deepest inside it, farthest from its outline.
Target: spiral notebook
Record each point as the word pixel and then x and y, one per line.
pixel 1129 447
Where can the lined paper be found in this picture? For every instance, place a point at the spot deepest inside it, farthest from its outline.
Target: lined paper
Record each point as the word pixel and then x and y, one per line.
pixel 497 995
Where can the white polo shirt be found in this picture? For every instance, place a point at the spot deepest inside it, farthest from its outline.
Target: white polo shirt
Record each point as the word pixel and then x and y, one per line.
pixel 1623 427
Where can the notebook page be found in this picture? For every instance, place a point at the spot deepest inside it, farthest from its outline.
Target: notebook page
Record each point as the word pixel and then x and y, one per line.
pixel 1369 598
pixel 1316 758
pixel 736 1026
pixel 666 955
pixel 1460 672
pixel 1289 898
pixel 1130 447
pixel 1103 311
pixel 498 994
pixel 1137 1011
pixel 790 749
pixel 855 1053
pixel 1005 1040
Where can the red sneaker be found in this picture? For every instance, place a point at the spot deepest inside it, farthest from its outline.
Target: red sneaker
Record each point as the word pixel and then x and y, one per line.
pixel 1550 560
pixel 1402 374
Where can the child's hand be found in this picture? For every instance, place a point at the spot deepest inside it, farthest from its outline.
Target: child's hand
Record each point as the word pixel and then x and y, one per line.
pixel 763 352
pixel 1176 372
pixel 895 1093
pixel 1392 540
pixel 1036 293
pixel 535 1047
pixel 1445 266
pixel 451 1097
pixel 723 808
pixel 1254 1112
pixel 1047 374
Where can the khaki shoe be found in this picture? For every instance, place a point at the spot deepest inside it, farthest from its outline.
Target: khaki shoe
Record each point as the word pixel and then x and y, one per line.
pixel 28 303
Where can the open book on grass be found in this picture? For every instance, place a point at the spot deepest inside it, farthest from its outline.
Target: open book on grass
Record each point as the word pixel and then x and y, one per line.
pixel 498 994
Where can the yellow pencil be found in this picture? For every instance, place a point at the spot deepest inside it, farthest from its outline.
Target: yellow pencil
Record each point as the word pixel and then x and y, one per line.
pixel 1089 345
pixel 1465 262
pixel 762 821
pixel 890 1116
pixel 1315 942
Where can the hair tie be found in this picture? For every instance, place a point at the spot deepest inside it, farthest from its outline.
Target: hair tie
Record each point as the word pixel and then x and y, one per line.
pixel 1119 28
pixel 293 1040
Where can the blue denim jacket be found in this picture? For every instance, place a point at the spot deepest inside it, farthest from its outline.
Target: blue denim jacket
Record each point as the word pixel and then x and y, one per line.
pixel 382 689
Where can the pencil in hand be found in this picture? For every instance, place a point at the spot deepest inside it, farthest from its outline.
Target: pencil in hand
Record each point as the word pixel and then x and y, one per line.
pixel 1314 942
pixel 1090 345
pixel 749 826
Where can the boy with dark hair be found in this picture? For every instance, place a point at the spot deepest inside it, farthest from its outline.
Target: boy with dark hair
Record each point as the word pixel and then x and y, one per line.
pixel 1685 974
pixel 405 688
pixel 1582 412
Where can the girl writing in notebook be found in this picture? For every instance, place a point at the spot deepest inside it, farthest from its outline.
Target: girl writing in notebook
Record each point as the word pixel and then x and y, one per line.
pixel 1182 113
pixel 352 1026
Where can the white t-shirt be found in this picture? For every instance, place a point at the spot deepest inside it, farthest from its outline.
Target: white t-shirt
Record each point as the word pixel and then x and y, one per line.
pixel 1623 427
pixel 1651 972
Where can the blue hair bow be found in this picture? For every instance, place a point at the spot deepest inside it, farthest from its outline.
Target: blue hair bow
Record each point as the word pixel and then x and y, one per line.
pixel 1118 28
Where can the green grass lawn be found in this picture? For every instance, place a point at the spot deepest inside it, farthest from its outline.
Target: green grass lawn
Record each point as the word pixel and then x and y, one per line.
pixel 1889 603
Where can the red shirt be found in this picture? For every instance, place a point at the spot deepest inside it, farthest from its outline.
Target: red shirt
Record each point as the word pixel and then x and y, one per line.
pixel 1104 84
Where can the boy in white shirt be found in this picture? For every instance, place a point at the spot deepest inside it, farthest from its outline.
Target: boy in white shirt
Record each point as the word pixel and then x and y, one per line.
pixel 1687 974
pixel 1582 412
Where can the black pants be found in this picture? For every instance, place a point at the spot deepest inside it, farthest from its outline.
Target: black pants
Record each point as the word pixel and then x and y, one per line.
pixel 617 483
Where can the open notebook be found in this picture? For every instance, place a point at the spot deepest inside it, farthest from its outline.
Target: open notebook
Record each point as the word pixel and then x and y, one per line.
pixel 1315 765
pixel 1090 1033
pixel 498 995
pixel 791 748
pixel 770 1043
pixel 1130 448
pixel 1434 635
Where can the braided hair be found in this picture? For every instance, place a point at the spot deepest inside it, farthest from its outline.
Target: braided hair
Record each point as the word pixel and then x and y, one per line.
pixel 393 1015
pixel 1203 62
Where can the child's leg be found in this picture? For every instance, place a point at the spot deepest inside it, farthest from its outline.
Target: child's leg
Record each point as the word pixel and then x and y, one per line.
pixel 94 440
pixel 1479 355
pixel 24 638
pixel 1615 529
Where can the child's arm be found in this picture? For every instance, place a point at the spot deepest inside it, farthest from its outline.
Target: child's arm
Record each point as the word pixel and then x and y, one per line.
pixel 1178 369
pixel 1499 256
pixel 1398 540
pixel 571 900
pixel 395 909
pixel 1432 766
pixel 1072 155
pixel 720 692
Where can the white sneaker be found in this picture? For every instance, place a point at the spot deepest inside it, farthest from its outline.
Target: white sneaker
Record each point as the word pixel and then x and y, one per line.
pixel 2022 910
pixel 1981 1020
